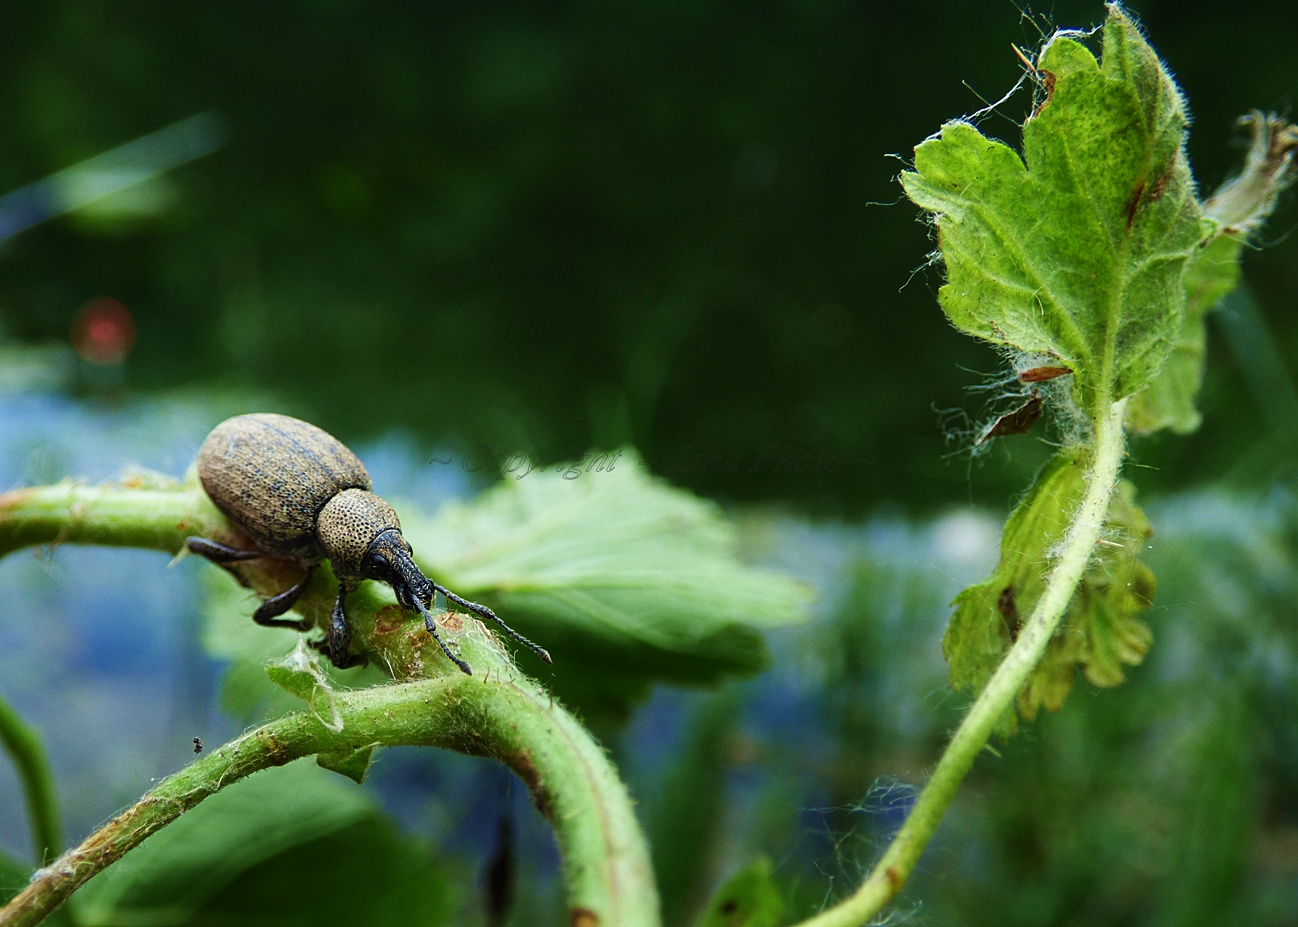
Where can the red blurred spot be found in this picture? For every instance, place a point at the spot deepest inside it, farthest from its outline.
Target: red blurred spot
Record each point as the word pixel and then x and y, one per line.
pixel 103 331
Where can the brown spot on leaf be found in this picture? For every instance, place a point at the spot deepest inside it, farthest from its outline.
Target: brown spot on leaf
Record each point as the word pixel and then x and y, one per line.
pixel 389 618
pixel 1134 204
pixel 1159 185
pixel 584 917
pixel 1009 610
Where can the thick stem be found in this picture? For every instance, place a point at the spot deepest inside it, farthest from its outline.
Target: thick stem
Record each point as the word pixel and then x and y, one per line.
pixel 112 515
pixel 903 854
pixel 498 712
pixel 24 745
pixel 509 719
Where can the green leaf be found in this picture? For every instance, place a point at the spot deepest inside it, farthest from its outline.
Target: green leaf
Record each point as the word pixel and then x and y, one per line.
pixel 989 615
pixel 353 764
pixel 1115 590
pixel 1170 400
pixel 625 580
pixel 177 869
pixel 365 875
pixel 230 634
pixel 1239 207
pixel 1079 253
pixel 290 845
pixel 1101 631
pixel 749 898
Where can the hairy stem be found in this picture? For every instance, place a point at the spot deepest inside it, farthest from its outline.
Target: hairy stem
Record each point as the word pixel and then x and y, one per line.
pixel 509 719
pixel 903 854
pixel 24 745
pixel 112 515
pixel 498 712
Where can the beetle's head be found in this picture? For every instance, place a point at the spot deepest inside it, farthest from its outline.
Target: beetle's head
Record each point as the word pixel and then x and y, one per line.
pixel 390 560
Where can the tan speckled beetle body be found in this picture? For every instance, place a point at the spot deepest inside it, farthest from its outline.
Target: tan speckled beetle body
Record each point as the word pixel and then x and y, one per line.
pixel 299 494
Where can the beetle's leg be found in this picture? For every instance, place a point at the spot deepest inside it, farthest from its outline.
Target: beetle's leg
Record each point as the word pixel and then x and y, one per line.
pixel 431 625
pixel 267 615
pixel 220 553
pixel 488 613
pixel 339 637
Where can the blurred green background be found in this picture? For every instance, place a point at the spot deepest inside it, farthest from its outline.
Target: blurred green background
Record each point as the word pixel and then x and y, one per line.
pixel 540 227
pixel 500 228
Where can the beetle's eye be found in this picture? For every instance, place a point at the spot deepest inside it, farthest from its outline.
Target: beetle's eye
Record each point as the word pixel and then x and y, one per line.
pixel 379 562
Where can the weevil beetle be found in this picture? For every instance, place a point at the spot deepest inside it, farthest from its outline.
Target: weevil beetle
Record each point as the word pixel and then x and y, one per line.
pixel 299 494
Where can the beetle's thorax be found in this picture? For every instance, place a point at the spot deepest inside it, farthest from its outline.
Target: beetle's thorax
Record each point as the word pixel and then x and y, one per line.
pixel 347 526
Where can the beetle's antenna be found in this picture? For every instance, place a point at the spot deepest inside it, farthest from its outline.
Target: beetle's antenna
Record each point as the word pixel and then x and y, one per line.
pixel 432 629
pixel 488 613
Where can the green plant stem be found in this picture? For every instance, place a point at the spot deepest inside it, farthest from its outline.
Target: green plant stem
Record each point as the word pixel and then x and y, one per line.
pixel 498 712
pixel 571 780
pixel 24 745
pixel 111 515
pixel 903 854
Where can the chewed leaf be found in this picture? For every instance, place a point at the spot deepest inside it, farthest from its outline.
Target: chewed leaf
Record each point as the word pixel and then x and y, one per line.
pixel 1101 631
pixel 1076 250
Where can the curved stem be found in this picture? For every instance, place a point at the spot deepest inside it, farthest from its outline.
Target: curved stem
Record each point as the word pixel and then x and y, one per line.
pixel 24 745
pixel 508 719
pixel 903 854
pixel 498 712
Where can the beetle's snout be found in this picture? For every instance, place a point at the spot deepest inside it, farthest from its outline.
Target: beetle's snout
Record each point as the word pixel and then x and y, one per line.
pixel 420 588
pixel 411 585
pixel 391 561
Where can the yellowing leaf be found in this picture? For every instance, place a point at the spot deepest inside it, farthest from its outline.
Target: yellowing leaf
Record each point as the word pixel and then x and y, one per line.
pixel 1101 631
